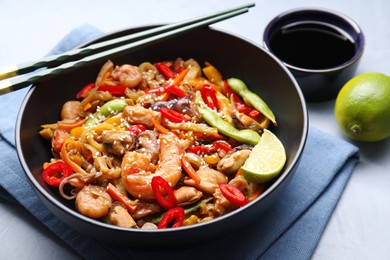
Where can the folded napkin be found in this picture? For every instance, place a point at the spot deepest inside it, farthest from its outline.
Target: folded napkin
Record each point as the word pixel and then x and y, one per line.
pixel 289 229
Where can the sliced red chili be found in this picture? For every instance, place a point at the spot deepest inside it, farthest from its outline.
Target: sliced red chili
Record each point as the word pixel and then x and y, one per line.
pixel 85 90
pixel 137 129
pixel 114 90
pixel 56 172
pixel 202 149
pixel 172 218
pixel 162 189
pixel 176 91
pixel 233 194
pixel 172 115
pixel 240 105
pixel 168 88
pixel 209 96
pixel 166 71
pixel 223 145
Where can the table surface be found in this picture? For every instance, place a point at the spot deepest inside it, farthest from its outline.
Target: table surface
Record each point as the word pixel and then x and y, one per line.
pixel 359 227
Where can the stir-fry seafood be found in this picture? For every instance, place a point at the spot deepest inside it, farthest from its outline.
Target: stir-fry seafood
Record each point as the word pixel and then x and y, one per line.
pixel 156 145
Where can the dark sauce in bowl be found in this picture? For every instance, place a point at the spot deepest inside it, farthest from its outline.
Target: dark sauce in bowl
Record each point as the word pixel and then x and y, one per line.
pixel 312 45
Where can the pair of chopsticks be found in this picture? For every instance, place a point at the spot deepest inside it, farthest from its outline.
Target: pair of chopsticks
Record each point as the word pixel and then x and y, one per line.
pixel 13 78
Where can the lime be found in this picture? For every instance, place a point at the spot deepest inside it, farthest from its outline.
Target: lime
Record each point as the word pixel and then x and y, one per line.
pixel 266 160
pixel 362 108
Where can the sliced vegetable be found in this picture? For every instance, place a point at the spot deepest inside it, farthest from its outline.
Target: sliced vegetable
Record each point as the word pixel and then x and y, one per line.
pixel 239 87
pixel 190 170
pixel 172 218
pixel 164 70
pixel 161 188
pixel 56 172
pixel 130 205
pixel 137 129
pixel 233 194
pixel 212 118
pixel 172 115
pixel 159 127
pixel 111 107
pixel 68 126
pixel 209 97
pixel 169 88
pixel 114 90
pixel 85 90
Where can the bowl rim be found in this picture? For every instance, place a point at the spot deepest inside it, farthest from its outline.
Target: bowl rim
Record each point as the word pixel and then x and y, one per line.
pixel 282 177
pixel 301 12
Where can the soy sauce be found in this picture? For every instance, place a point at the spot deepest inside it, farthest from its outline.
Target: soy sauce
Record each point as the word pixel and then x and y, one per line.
pixel 312 45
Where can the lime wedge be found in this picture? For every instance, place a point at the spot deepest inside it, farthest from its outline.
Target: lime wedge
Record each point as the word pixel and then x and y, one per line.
pixel 266 160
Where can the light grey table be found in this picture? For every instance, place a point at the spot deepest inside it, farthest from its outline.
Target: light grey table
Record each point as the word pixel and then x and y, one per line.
pixel 360 225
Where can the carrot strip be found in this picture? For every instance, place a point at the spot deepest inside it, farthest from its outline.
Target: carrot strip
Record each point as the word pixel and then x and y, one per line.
pixel 256 193
pixel 179 78
pixel 159 127
pixel 190 170
pixel 68 127
pixel 130 205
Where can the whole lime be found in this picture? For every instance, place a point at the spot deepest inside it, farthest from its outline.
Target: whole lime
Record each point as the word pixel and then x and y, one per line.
pixel 362 107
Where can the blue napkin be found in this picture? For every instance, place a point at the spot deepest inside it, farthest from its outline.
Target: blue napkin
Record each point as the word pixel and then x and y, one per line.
pixel 290 229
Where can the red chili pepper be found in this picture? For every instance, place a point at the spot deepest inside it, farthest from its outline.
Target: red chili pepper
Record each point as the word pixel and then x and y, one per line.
pixel 223 145
pixel 164 70
pixel 168 88
pixel 137 129
pixel 85 90
pixel 202 149
pixel 172 115
pixel 158 186
pixel 209 96
pixel 173 217
pixel 56 172
pixel 176 91
pixel 114 90
pixel 233 194
pixel 240 105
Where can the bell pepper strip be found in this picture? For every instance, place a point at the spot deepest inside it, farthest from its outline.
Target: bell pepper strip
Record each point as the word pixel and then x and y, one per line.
pixel 136 129
pixel 190 170
pixel 249 97
pixel 111 107
pixel 161 187
pixel 116 90
pixel 202 149
pixel 172 115
pixel 159 127
pixel 56 172
pixel 213 75
pixel 212 118
pixel 85 90
pixel 233 194
pixel 172 218
pixel 209 97
pixel 67 126
pixel 164 70
pixel 130 205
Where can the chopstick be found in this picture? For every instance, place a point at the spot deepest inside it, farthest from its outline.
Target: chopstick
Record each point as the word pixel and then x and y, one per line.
pixel 12 81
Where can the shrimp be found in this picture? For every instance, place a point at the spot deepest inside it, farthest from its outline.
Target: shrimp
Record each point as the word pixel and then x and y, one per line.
pixel 137 171
pixel 209 180
pixel 127 75
pixel 140 115
pixel 106 68
pixel 93 201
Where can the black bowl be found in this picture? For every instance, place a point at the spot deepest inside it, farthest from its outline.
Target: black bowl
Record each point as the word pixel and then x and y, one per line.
pixel 234 57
